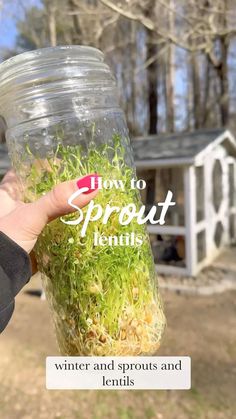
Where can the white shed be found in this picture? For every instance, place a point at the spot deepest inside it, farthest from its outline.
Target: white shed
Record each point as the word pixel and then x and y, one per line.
pixel 200 169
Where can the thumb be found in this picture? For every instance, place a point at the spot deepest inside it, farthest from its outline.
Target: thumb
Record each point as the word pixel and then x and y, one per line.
pixel 55 203
pixel 25 222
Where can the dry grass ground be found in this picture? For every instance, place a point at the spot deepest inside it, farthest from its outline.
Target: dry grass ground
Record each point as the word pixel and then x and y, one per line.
pixel 202 327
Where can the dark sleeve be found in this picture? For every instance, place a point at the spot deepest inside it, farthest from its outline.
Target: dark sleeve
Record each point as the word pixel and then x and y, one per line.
pixel 15 272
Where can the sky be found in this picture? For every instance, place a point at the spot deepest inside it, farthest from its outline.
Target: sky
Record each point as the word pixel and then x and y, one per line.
pixel 8 30
pixel 12 10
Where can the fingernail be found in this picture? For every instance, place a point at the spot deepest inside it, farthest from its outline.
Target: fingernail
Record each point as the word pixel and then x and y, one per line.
pixel 89 181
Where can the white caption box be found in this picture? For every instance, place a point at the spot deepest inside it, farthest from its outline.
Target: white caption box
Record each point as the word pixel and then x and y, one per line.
pixel 118 373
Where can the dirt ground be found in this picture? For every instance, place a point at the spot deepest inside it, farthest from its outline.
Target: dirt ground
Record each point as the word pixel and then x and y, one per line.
pixel 202 327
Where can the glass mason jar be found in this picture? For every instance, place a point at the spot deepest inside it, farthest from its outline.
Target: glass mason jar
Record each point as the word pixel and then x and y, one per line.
pixel 63 122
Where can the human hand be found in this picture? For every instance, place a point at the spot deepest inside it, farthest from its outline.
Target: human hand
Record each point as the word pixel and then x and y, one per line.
pixel 10 193
pixel 23 222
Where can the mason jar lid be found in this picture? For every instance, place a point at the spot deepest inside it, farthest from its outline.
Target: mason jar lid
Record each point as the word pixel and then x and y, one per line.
pixel 48 75
pixel 50 63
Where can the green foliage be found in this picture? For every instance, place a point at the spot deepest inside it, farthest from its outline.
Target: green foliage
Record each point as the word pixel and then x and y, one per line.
pixel 104 298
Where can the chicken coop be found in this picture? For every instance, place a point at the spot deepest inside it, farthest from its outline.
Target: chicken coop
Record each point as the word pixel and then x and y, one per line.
pixel 199 168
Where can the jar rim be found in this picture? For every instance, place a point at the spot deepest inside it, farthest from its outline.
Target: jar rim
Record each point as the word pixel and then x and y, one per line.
pixel 33 83
pixel 78 51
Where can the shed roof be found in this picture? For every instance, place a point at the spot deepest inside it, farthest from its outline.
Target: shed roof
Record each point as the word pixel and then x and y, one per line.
pixel 180 147
pixel 4 159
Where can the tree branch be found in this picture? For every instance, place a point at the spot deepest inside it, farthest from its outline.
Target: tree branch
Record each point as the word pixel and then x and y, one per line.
pixel 148 24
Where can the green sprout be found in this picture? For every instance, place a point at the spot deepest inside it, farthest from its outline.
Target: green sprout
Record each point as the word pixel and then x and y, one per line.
pixel 104 299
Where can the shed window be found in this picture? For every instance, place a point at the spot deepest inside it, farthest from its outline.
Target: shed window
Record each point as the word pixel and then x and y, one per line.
pixel 219 230
pixel 150 191
pixel 172 179
pixel 147 194
pixel 231 185
pixel 168 249
pixel 199 171
pixel 232 225
pixel 217 185
pixel 201 245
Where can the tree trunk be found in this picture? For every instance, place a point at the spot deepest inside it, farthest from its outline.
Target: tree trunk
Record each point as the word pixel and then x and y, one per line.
pixel 196 91
pixel 170 75
pixel 52 23
pixel 169 90
pixel 152 85
pixel 132 66
pixel 206 94
pixel 77 33
pixel 221 65
pixel 152 73
pixel 222 71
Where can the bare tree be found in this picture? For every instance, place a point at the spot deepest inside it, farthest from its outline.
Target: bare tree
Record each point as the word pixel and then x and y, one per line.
pixel 51 10
pixel 170 72
pixel 198 26
pixel 202 30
